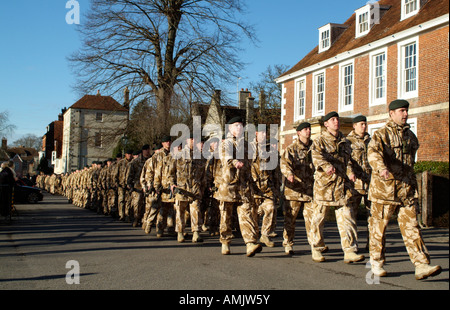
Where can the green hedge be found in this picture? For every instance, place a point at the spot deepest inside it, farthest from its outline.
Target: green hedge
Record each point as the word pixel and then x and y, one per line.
pixel 435 167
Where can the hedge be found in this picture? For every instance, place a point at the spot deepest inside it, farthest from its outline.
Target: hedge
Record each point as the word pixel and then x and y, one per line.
pixel 435 167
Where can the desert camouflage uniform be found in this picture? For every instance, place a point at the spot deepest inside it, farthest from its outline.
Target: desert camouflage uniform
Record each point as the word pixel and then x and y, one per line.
pixel 332 190
pixel 133 182
pixel 394 148
pixel 236 191
pixel 213 179
pixel 266 176
pixel 162 208
pixel 112 183
pixel 297 161
pixel 95 188
pixel 188 174
pixel 103 184
pixel 122 193
pixel 146 178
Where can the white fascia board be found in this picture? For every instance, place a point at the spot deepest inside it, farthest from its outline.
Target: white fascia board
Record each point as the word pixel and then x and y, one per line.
pixel 444 19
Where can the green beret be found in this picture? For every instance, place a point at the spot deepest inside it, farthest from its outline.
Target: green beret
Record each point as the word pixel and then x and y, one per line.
pixel 330 115
pixel 303 126
pixel 166 139
pixel 236 119
pixel 136 152
pixel 145 147
pixel 359 118
pixel 129 151
pixel 399 103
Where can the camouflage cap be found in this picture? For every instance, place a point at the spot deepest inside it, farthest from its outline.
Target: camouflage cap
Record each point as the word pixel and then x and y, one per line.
pixel 330 115
pixel 359 118
pixel 398 103
pixel 303 126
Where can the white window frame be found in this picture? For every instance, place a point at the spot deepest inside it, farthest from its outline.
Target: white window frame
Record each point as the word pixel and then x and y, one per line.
pixel 298 101
pixel 360 12
pixel 372 85
pixel 342 86
pixel 405 3
pixel 315 111
pixel 402 93
pixel 326 28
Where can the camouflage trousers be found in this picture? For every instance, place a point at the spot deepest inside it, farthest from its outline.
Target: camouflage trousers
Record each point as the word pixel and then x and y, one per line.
pixel 137 205
pixel 409 228
pixel 346 222
pixel 112 200
pixel 195 215
pixel 162 213
pixel 291 210
pixel 247 214
pixel 268 212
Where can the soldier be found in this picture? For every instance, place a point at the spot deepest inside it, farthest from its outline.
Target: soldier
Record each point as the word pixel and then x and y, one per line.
pixel 163 202
pixel 134 184
pixel 236 190
pixel 187 176
pixel 358 139
pixel 112 183
pixel 393 187
pixel 122 192
pixel 147 184
pixel 213 173
pixel 265 175
pixel 331 158
pixel 298 171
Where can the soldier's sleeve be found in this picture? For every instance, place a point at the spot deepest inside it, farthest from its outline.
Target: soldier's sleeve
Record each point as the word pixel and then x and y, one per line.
pixel 286 163
pixel 318 158
pixel 375 153
pixel 143 173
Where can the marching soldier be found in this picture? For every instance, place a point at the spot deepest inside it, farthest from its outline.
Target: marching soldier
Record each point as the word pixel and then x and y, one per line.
pixel 393 186
pixel 298 171
pixel 112 183
pixel 146 179
pixel 122 192
pixel 213 177
pixel 134 184
pixel 331 158
pixel 188 180
pixel 265 175
pixel 236 190
pixel 359 139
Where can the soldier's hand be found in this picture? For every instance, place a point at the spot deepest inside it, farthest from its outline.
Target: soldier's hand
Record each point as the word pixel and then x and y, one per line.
pixel 384 174
pixel 239 164
pixel 352 177
pixel 331 170
pixel 290 178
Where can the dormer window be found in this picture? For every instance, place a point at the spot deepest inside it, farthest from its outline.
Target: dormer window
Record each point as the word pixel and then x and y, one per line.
pixel 410 8
pixel 363 21
pixel 324 38
pixel 328 34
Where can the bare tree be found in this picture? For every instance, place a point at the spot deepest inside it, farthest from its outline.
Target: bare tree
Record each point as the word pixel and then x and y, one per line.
pixel 151 46
pixel 29 140
pixel 5 127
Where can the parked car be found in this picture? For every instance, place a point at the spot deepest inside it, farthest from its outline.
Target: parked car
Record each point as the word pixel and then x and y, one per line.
pixel 26 194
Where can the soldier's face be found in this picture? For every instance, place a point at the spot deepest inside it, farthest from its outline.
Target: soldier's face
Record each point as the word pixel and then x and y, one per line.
pixel 360 128
pixel 261 136
pixel 236 129
pixel 332 124
pixel 399 116
pixel 166 145
pixel 305 133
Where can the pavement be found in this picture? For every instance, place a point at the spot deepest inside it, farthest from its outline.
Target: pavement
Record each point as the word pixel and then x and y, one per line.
pixel 54 245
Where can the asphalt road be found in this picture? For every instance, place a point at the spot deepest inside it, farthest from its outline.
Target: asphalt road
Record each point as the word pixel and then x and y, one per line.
pixel 46 245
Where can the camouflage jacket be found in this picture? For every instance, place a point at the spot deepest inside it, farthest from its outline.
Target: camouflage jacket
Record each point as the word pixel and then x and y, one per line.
pixel 122 167
pixel 237 184
pixel 330 151
pixel 297 161
pixel 189 175
pixel 162 174
pixel 134 172
pixel 214 173
pixel 393 147
pixel 148 173
pixel 113 176
pixel 265 174
pixel 103 178
pixel 359 161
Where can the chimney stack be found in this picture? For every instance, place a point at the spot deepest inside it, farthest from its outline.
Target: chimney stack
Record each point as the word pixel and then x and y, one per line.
pixel 4 143
pixel 126 101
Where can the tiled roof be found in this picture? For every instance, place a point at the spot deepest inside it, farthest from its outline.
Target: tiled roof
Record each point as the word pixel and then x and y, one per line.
pixel 389 24
pixel 98 102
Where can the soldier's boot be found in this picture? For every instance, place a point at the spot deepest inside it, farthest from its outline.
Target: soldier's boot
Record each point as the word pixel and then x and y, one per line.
pixel 180 237
pixel 196 237
pixel 225 249
pixel 253 248
pixel 352 257
pixel 323 249
pixel 135 222
pixel 378 271
pixel 317 256
pixel 148 228
pixel 144 225
pixel 266 240
pixel 288 250
pixel 424 271
pixel 159 233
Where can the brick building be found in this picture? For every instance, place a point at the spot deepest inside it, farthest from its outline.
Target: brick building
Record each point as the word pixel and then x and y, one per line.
pixel 386 50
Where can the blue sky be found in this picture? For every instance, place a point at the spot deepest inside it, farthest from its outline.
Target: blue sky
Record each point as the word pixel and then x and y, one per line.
pixel 36 80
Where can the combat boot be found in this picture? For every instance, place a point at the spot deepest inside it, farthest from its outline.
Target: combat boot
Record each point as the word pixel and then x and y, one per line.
pixel 225 249
pixel 378 271
pixel 352 257
pixel 196 237
pixel 253 248
pixel 180 238
pixel 266 240
pixel 424 271
pixel 288 250
pixel 159 233
pixel 148 228
pixel 317 256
